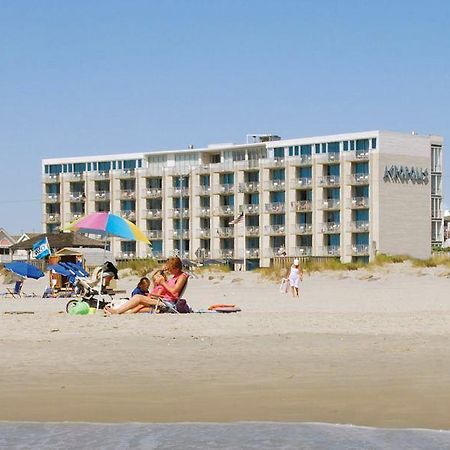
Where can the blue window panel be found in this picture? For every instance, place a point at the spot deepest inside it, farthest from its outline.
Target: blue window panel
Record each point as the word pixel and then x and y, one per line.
pixel 296 150
pixel 253 199
pixel 334 170
pixel 46 169
pixel 228 178
pixel 277 197
pixel 362 239
pixel 227 200
pixel 157 246
pixel 362 167
pixel 324 148
pixel 334 193
pixel 205 180
pixel 128 246
pixel 278 174
pixel 278 152
pixel 362 215
pixel 291 151
pixel 362 144
pixel 139 163
pixel 181 182
pixel 333 147
pixel 70 168
pixel 345 146
pixel 335 239
pixel 277 219
pixel 53 188
pixel 305 172
pixel 54 169
pixel 79 167
pixel 317 148
pixel 352 145
pixel 119 165
pixel 277 241
pixel 374 143
pixel 252 242
pixel 177 224
pixel 94 165
pixel 129 164
pixel 89 166
pixel 128 205
pixel 305 149
pixel 104 166
pixel 304 218
pixel 64 168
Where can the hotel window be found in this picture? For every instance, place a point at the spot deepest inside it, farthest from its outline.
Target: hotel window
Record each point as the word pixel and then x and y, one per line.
pixel 89 167
pixel 177 202
pixel 94 166
pixel 205 201
pixel 114 165
pixel 362 167
pixel 333 147
pixel 362 215
pixel 227 178
pixel 119 165
pixel 317 148
pixel 277 174
pixel 345 146
pixel 129 164
pixel 227 200
pixel 79 167
pixel 128 205
pixel 55 169
pixel 352 145
pixel 305 149
pixel 362 239
pixel 362 144
pixel 291 151
pixel 180 182
pixel 104 166
pixel 277 197
pixel 278 152
pixel 253 199
pixel 70 168
pixel 139 163
pixel 239 155
pixel 374 143
pixel 277 219
pixel 205 180
pixel 324 148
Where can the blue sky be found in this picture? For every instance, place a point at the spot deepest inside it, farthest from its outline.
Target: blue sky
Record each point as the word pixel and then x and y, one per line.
pixel 84 78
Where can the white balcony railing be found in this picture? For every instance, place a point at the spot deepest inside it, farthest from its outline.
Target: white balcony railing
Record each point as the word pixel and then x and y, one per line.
pixel 301 251
pixel 100 196
pixel 51 178
pixel 77 197
pixel 204 233
pixel 176 234
pixel 152 192
pixel 300 160
pixel 100 175
pixel 52 218
pixel 74 216
pixel 331 203
pixel 152 213
pixel 75 176
pixel 274 163
pixel 248 164
pixel 359 202
pixel 224 210
pixel 154 234
pixel 250 209
pixel 330 180
pixel 275 185
pixel 359 155
pixel 203 190
pixel 126 255
pixel 129 215
pixel 224 189
pixel 252 230
pixel 125 173
pixel 303 228
pixel 275 208
pixel 252 253
pixel 51 198
pixel 332 250
pixel 331 227
pixel 301 183
pixel 126 194
pixel 359 249
pixel 225 253
pixel 204 211
pixel 249 187
pixel 301 205
pixel 275 229
pixel 225 232
pixel 179 191
pixel 359 226
pixel 275 251
pixel 359 178
pixel 179 212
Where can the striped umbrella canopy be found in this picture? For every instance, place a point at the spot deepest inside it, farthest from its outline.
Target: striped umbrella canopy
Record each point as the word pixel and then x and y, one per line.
pixel 107 224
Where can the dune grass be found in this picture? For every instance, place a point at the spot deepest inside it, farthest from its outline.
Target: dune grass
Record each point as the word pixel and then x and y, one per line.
pixel 140 267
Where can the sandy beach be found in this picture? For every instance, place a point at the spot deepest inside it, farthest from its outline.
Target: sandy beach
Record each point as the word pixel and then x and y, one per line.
pixel 366 348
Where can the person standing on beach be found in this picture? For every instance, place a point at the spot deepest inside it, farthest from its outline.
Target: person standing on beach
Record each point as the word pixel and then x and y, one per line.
pixel 295 276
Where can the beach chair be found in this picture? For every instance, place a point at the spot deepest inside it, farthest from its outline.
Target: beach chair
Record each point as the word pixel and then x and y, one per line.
pixel 15 292
pixel 180 306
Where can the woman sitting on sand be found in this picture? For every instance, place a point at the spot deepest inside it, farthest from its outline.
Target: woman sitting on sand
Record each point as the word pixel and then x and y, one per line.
pixel 168 289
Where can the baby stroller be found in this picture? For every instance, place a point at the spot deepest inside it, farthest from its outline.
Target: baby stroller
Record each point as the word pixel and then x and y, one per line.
pixel 86 288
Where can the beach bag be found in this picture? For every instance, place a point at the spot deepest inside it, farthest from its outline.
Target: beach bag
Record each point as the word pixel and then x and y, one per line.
pixel 182 307
pixel 284 285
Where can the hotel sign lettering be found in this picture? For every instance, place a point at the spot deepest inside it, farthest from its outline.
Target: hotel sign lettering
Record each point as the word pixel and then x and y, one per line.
pixel 404 174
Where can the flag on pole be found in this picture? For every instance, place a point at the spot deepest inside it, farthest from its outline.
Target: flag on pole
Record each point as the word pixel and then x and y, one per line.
pixel 41 249
pixel 238 219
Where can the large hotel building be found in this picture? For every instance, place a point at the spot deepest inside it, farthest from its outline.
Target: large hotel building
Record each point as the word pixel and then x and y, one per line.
pixel 348 195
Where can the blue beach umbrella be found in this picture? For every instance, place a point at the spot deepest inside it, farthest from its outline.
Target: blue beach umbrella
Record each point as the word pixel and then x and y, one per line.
pixel 24 269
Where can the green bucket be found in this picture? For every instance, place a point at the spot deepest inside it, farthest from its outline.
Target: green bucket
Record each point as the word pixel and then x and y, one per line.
pixel 79 309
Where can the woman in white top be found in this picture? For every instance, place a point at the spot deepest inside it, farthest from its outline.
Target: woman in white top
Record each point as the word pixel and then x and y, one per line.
pixel 295 276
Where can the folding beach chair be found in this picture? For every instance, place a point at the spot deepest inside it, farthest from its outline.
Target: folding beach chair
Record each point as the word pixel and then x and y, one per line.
pixel 15 292
pixel 180 306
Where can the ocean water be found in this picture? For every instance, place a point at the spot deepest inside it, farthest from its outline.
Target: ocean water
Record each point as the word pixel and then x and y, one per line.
pixel 242 435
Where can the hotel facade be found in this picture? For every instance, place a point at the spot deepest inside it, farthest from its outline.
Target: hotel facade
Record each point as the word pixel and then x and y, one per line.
pixel 348 195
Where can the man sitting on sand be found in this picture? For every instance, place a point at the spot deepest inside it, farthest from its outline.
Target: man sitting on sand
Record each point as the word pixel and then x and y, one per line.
pixel 167 289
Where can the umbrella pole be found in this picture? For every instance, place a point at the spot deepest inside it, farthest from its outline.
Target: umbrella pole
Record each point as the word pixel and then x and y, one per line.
pixel 100 297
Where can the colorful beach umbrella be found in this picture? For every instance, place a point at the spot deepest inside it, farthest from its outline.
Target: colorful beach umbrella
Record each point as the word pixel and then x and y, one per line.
pixel 25 270
pixel 107 224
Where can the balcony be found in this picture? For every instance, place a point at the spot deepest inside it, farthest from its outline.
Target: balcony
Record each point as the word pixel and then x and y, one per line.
pixel 275 251
pixel 225 232
pixel 77 197
pixel 180 234
pixel 52 218
pixel 301 183
pixel 204 233
pixel 332 250
pixel 129 215
pixel 359 250
pixel 275 230
pixel 75 176
pixel 154 234
pixel 99 176
pixel 125 173
pixel 152 192
pixel 203 190
pixel 301 205
pixel 204 211
pixel 176 213
pixel 303 160
pixel 252 253
pixel 250 209
pixel 359 226
pixel 359 203
pixel 252 230
pixel 275 185
pixel 179 191
pixel 248 164
pixel 329 181
pixel 224 211
pixel 126 255
pixel 275 208
pixel 274 163
pixel 225 253
pixel 359 178
pixel 101 196
pixel 224 189
pixel 330 204
pixel 359 155
pixel 331 227
pixel 152 213
pixel 203 169
pixel 51 198
pixel 333 157
pixel 74 216
pixel 126 194
pixel 301 251
pixel 303 228
pixel 249 187
pixel 51 178
pixel 222 167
